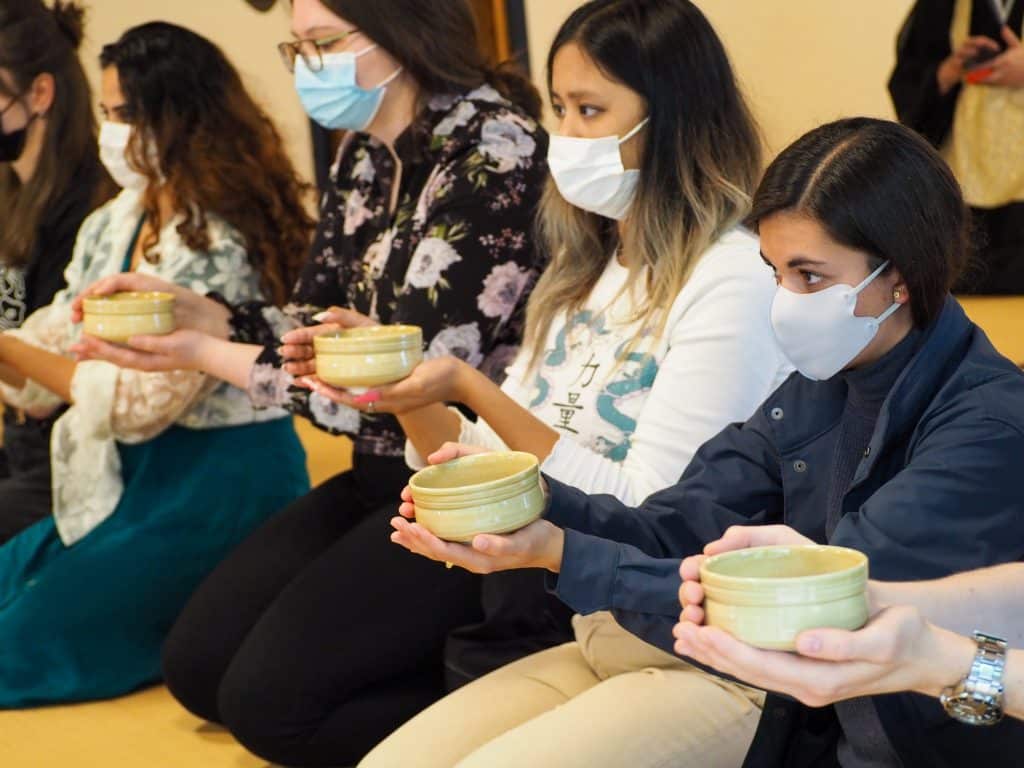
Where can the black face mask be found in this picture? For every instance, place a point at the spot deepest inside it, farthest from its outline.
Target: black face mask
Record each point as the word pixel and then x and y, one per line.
pixel 13 144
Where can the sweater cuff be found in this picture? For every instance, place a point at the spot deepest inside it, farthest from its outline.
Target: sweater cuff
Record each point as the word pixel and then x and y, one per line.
pixel 566 505
pixel 587 578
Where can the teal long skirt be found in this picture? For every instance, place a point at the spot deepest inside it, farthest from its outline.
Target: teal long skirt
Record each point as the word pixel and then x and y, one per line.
pixel 87 621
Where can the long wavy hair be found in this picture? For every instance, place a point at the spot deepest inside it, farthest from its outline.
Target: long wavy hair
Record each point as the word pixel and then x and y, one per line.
pixel 700 161
pixel 37 40
pixel 199 134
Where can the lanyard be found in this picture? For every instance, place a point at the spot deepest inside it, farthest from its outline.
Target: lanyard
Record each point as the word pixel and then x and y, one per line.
pixel 1003 9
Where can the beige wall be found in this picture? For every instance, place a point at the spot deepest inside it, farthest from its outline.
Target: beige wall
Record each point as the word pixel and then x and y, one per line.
pixel 247 37
pixel 801 62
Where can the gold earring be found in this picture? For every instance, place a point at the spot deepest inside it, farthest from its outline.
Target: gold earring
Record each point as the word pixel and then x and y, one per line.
pixel 896 294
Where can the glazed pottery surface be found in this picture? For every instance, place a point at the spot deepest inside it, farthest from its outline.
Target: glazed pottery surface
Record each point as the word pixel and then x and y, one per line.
pixel 120 316
pixel 483 493
pixel 766 596
pixel 367 357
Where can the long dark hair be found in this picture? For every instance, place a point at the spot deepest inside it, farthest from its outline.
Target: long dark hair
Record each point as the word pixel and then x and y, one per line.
pixel 215 149
pixel 880 188
pixel 35 40
pixel 700 161
pixel 438 44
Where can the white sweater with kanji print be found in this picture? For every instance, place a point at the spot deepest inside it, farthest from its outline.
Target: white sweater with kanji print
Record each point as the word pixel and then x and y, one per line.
pixel 629 428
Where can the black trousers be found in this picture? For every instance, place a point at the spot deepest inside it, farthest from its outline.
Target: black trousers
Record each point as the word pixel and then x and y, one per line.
pixel 998 267
pixel 318 636
pixel 25 496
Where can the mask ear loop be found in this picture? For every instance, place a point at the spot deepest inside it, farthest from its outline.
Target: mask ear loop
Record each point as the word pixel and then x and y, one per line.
pixel 31 117
pixel 635 131
pixel 390 77
pixel 387 79
pixel 866 282
pixel 888 313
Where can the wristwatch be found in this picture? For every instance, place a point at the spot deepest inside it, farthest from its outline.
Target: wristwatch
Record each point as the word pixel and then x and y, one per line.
pixel 978 698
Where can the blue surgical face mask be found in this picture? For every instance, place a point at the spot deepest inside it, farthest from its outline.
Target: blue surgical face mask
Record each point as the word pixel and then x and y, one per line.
pixel 332 96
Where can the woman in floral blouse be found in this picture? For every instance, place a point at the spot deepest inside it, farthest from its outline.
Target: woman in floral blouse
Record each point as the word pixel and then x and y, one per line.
pixel 156 476
pixel 427 220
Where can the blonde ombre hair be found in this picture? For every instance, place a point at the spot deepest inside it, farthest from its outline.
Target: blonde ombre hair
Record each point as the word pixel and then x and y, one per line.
pixel 700 162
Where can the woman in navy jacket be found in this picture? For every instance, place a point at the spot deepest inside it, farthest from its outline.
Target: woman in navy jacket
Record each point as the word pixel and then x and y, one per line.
pixel 901 435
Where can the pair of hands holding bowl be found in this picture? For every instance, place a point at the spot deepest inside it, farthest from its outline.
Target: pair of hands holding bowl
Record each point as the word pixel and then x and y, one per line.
pixel 537 545
pixel 202 323
pixel 898 650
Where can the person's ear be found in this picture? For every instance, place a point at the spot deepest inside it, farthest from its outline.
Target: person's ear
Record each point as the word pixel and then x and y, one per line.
pixel 900 291
pixel 41 94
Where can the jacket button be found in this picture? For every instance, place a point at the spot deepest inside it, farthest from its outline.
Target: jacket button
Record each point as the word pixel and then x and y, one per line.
pixel 800 465
pixel 777 414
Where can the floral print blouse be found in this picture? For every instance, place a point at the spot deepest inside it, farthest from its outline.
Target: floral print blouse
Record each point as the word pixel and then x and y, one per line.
pixel 438 234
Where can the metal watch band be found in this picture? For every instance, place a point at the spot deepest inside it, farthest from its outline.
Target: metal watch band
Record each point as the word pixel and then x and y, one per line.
pixel 978 699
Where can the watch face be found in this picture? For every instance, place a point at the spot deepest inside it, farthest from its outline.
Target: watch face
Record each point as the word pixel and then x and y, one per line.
pixel 972 711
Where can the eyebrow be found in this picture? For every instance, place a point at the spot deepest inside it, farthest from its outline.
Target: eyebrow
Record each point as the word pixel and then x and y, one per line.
pixel 794 263
pixel 804 261
pixel 316 32
pixel 579 95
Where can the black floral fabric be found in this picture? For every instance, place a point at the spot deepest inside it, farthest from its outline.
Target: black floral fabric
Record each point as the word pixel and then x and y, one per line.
pixel 436 233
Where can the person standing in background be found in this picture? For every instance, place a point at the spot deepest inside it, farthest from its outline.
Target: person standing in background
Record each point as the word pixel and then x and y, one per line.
pixel 959 81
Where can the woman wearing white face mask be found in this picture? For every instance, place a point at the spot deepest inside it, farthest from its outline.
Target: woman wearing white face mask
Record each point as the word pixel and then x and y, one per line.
pixel 901 436
pixel 50 180
pixel 646 336
pixel 156 476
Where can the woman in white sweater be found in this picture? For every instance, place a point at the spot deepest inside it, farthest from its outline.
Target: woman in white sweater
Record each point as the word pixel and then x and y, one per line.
pixel 645 337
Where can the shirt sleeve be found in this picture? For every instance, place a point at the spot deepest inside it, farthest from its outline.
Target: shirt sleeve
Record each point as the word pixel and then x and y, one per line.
pixel 145 404
pixel 922 45
pixel 625 559
pixel 722 355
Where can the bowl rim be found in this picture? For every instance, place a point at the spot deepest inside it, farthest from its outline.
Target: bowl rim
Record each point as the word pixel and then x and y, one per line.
pixel 129 302
pixel 533 466
pixel 766 583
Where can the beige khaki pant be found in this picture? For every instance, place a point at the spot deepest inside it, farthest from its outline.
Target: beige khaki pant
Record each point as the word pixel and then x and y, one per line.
pixel 608 699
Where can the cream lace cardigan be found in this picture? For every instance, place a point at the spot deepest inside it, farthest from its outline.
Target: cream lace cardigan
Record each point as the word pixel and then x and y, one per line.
pixel 112 404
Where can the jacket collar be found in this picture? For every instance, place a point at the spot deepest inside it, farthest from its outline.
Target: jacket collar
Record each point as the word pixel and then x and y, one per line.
pixel 942 350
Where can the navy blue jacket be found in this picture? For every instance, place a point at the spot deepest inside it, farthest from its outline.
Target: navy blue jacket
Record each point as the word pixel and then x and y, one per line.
pixel 939 490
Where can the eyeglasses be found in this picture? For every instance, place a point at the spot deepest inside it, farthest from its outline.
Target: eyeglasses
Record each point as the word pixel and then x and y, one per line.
pixel 310 50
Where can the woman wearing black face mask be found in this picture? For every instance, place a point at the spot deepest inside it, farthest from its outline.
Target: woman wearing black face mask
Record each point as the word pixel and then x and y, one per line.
pixel 50 179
